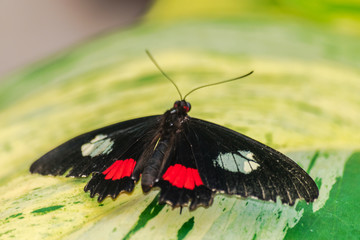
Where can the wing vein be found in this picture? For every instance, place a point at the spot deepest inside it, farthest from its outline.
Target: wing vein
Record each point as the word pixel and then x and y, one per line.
pixel 262 189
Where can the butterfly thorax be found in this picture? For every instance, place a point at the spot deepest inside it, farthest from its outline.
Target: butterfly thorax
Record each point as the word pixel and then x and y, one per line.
pixel 174 117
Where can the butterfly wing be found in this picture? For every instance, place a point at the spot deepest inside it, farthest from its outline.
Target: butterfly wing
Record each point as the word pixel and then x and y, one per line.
pixel 91 151
pixel 110 153
pixel 233 163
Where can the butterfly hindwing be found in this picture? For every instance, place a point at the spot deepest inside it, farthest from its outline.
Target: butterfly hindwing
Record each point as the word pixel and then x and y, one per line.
pixel 233 163
pixel 180 182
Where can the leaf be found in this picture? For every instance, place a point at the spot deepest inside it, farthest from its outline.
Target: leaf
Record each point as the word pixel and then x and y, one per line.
pixel 339 216
pixel 302 99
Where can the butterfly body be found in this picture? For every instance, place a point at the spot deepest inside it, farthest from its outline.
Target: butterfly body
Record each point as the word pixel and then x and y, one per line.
pixel 155 159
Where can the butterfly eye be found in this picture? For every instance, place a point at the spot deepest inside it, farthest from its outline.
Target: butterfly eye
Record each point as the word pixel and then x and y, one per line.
pixel 188 106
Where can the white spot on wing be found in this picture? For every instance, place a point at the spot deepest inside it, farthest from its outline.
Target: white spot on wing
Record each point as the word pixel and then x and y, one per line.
pixel 241 161
pixel 97 146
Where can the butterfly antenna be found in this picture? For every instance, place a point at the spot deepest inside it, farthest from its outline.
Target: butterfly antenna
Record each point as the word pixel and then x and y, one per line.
pixel 163 73
pixel 217 83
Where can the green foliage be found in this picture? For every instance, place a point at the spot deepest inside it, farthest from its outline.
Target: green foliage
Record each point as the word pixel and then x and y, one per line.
pixel 338 218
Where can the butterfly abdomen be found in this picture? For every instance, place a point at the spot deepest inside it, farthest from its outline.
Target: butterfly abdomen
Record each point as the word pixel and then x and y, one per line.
pixel 153 165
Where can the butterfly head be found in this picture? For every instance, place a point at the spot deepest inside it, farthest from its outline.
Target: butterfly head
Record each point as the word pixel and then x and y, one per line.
pixel 182 106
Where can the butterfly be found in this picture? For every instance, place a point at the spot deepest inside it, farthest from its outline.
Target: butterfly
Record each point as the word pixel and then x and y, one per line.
pixel 189 159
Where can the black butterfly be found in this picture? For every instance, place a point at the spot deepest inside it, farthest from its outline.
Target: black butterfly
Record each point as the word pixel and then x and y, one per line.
pixel 188 158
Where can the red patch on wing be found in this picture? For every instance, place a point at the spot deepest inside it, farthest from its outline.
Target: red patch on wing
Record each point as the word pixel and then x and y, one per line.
pixel 120 169
pixel 182 177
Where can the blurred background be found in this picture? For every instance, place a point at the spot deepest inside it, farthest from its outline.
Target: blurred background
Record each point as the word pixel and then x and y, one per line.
pixel 32 30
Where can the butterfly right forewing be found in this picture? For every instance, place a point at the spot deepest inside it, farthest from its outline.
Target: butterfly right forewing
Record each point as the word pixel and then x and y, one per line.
pixel 233 163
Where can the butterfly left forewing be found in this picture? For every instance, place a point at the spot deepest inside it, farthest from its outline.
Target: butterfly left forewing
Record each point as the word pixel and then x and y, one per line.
pixel 232 163
pixel 111 153
pixel 89 152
